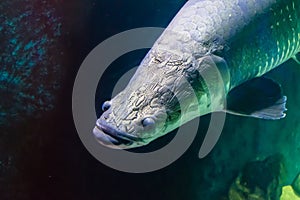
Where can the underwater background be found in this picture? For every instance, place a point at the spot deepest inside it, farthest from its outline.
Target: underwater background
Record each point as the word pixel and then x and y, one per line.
pixel 43 44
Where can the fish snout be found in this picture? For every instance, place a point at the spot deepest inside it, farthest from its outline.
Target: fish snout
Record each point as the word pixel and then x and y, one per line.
pixel 111 136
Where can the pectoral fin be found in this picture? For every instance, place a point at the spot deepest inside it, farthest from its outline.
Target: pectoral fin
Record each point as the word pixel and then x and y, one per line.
pixel 259 97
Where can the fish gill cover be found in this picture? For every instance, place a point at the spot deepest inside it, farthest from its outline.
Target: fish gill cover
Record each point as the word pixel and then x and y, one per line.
pixel 29 69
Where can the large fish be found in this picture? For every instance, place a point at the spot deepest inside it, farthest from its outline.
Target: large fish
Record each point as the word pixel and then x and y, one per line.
pixel 242 39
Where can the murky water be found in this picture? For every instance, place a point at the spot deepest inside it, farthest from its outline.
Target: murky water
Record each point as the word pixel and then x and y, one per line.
pixel 43 157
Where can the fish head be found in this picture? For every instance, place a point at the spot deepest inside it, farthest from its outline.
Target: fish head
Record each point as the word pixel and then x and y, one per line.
pixel 148 108
pixel 157 100
pixel 134 118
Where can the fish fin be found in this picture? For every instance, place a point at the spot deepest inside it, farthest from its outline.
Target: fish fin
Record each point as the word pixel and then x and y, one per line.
pixel 297 58
pixel 259 98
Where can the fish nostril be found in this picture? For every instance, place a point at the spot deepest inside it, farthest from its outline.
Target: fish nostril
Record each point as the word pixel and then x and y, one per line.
pixel 106 105
pixel 148 122
pixel 105 115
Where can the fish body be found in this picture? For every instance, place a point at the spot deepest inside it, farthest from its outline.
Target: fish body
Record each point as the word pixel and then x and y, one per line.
pixel 252 36
pixel 243 39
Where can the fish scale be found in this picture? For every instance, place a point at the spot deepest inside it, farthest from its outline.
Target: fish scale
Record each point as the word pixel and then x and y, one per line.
pixel 270 44
pixel 238 25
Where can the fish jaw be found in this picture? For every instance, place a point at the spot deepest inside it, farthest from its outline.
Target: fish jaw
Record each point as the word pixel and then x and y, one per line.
pixel 112 138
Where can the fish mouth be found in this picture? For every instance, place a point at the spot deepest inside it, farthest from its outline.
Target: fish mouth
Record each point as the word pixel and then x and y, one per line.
pixel 111 137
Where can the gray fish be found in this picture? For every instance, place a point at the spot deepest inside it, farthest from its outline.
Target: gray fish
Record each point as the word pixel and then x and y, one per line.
pixel 243 39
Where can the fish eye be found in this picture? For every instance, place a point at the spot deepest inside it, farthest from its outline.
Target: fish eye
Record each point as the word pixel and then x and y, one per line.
pixel 106 105
pixel 148 121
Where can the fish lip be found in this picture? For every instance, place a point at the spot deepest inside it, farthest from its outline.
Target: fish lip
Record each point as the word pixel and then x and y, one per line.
pixel 103 138
pixel 110 136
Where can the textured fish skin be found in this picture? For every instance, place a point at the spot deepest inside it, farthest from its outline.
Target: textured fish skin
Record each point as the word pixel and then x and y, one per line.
pixel 249 37
pixel 252 36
